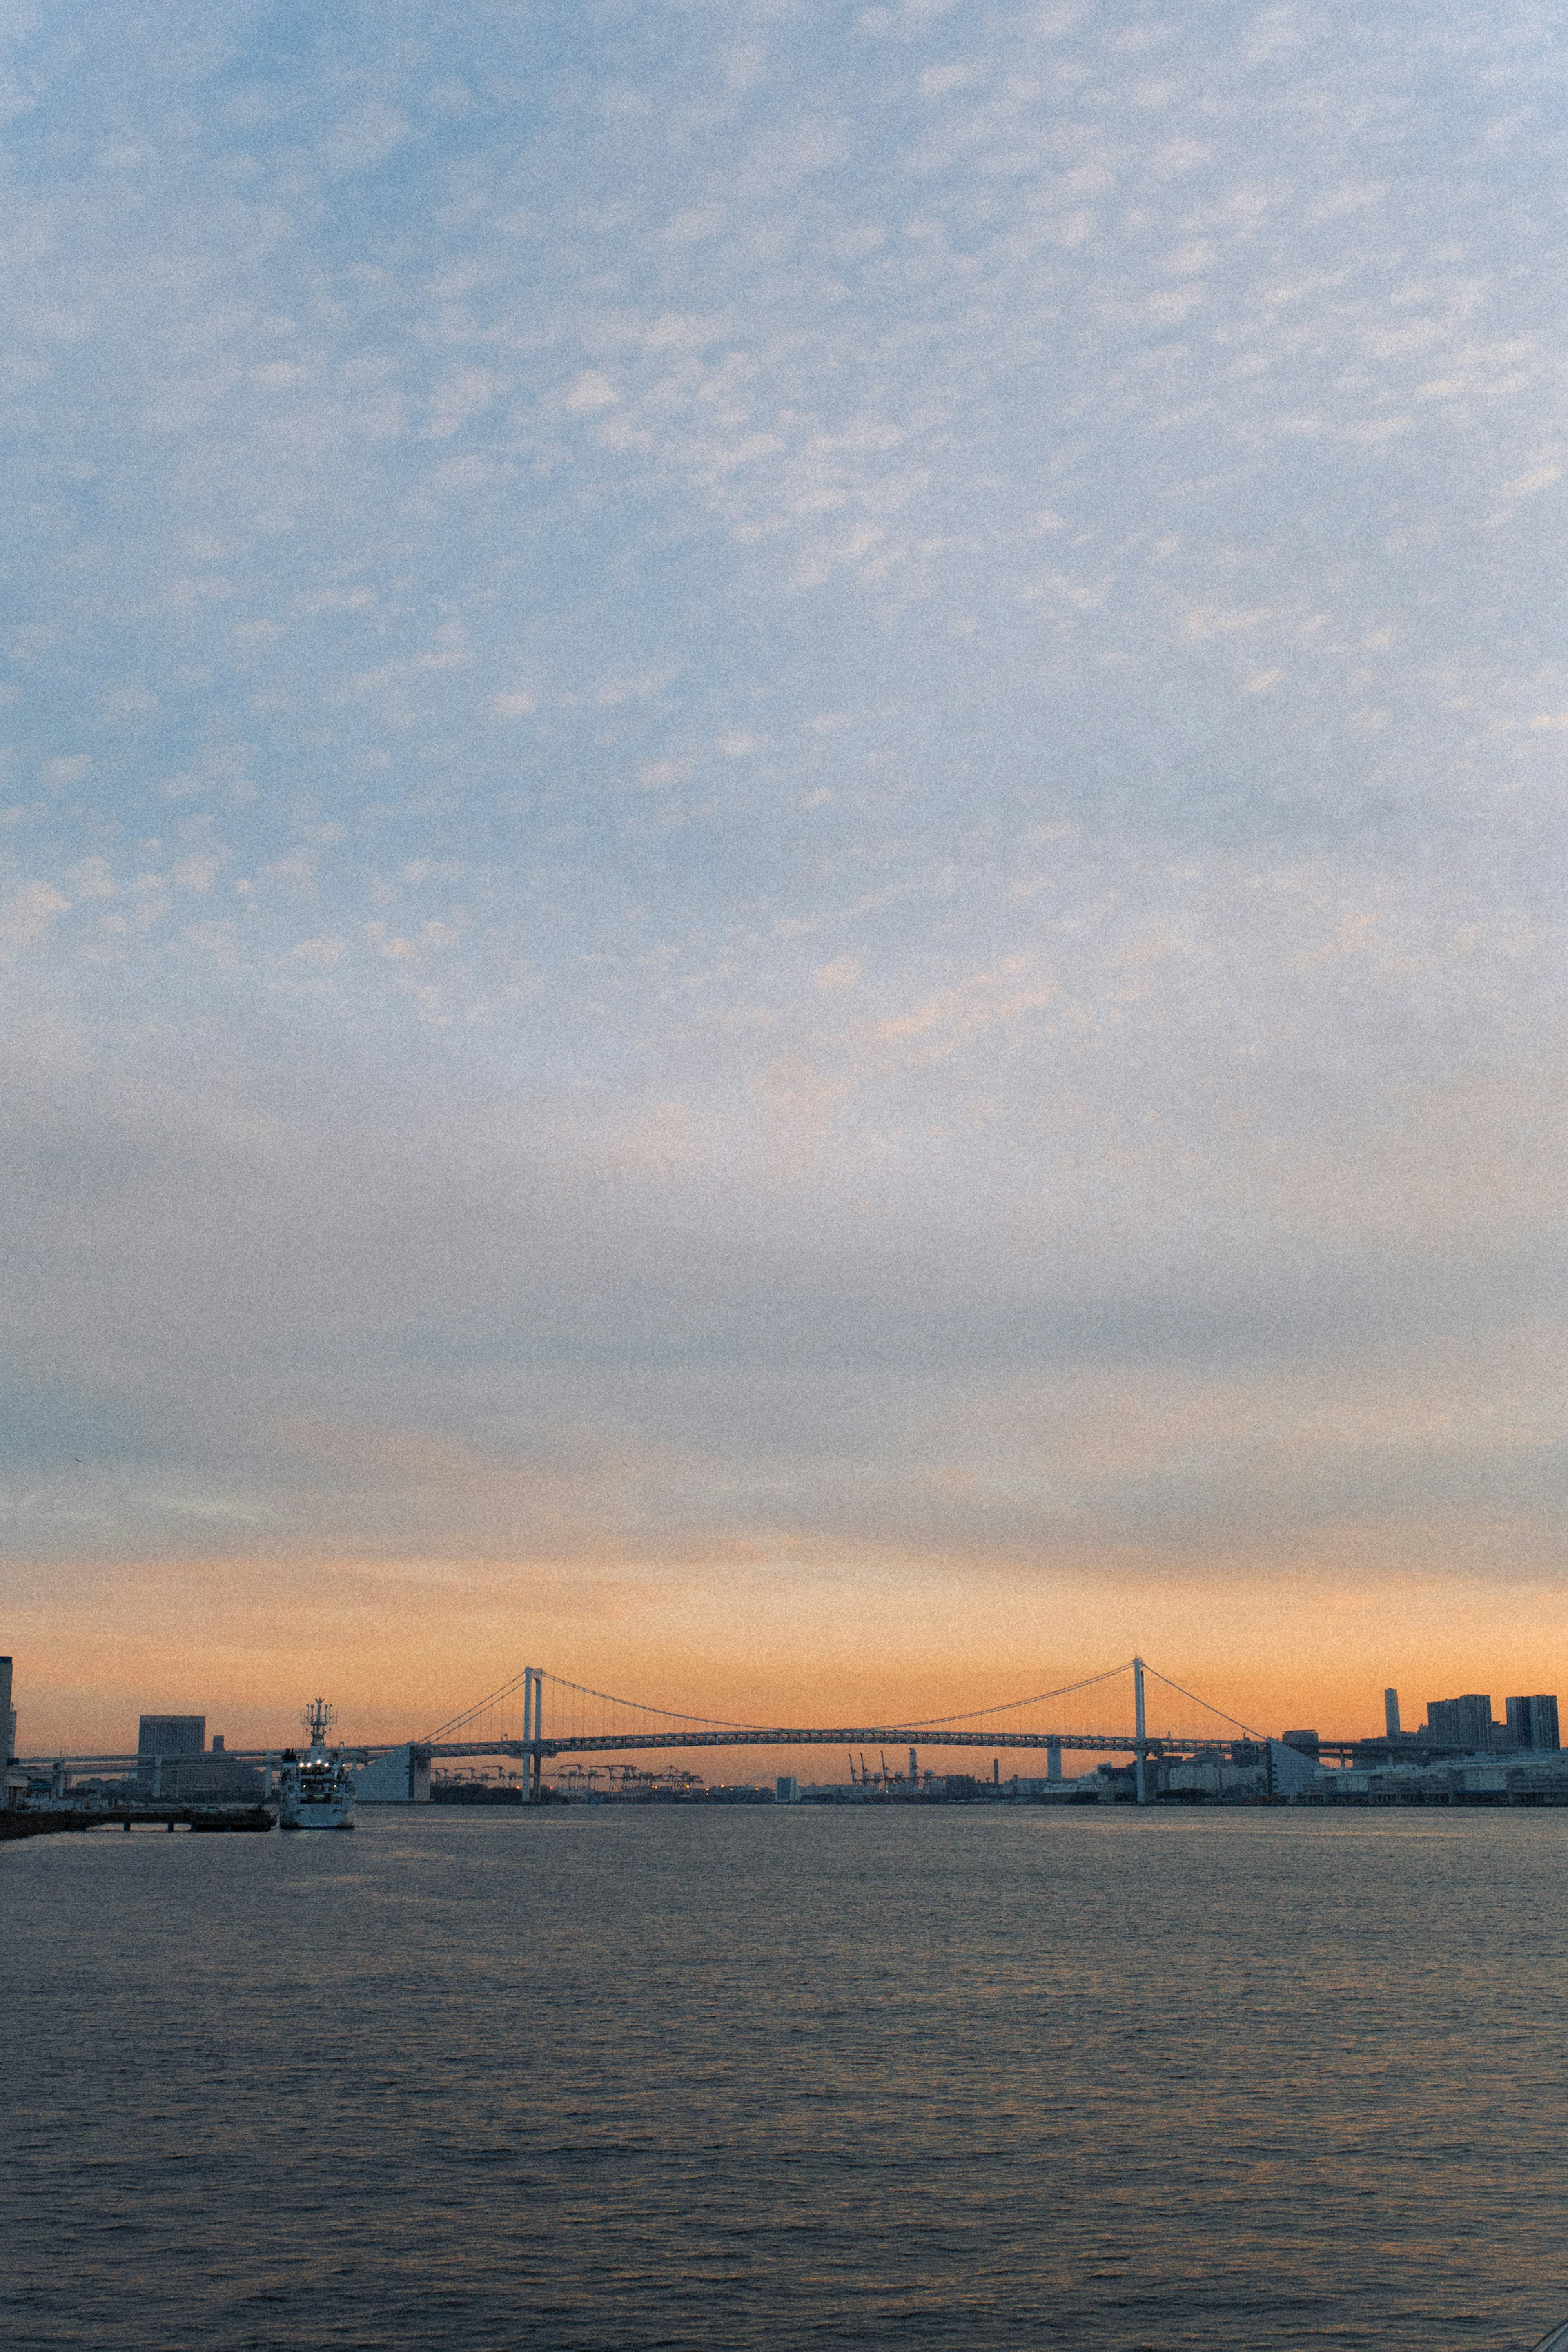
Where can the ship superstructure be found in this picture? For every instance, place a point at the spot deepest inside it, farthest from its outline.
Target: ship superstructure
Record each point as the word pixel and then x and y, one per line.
pixel 316 1790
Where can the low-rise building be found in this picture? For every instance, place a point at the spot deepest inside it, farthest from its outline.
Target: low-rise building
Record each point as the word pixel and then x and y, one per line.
pixel 401 1777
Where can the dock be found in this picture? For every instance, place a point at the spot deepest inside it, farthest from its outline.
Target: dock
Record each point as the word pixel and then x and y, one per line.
pixel 21 1822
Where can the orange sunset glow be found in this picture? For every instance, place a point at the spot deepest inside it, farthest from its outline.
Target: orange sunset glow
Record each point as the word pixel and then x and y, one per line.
pixel 404 1645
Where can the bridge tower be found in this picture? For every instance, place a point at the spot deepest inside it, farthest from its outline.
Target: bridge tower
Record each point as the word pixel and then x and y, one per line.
pixel 1139 1728
pixel 532 1709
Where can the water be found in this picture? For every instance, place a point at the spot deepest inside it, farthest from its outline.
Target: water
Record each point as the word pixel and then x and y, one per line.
pixel 596 2080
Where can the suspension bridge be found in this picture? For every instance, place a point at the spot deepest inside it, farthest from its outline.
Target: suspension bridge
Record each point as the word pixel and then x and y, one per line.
pixel 1131 1710
pixel 537 1715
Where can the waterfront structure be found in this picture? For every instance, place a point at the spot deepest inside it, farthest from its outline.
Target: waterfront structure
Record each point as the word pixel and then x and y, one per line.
pixel 1235 1782
pixel 1534 1722
pixel 1475 1779
pixel 1463 1723
pixel 401 1777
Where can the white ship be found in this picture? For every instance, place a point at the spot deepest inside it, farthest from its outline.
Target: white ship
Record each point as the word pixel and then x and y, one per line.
pixel 316 1790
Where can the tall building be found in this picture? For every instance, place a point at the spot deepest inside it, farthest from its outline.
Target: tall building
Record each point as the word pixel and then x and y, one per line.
pixel 1534 1722
pixel 1465 1723
pixel 186 1770
pixel 172 1735
pixel 7 1713
pixel 1391 1713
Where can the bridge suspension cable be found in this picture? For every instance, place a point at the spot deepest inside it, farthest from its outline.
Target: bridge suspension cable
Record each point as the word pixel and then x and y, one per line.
pixel 639 1707
pixel 578 1702
pixel 1013 1705
pixel 1206 1704
pixel 471 1714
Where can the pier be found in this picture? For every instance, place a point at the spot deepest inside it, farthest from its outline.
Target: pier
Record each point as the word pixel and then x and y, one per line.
pixel 26 1820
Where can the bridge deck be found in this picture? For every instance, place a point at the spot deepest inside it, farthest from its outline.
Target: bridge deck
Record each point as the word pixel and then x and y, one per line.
pixel 883 1735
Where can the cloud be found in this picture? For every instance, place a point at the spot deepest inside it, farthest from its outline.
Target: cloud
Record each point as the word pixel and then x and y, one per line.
pixel 710 789
pixel 26 916
pixel 591 391
pixel 365 139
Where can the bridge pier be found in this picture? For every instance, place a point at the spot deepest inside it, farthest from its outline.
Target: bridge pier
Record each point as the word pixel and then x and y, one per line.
pixel 1139 1730
pixel 533 1708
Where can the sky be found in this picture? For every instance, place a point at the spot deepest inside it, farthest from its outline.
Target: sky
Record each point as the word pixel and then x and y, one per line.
pixel 781 854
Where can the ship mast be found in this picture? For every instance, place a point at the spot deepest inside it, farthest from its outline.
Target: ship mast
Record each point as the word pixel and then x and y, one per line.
pixel 315 1719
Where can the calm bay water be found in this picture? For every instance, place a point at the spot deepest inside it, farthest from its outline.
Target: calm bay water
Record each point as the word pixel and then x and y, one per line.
pixel 603 2080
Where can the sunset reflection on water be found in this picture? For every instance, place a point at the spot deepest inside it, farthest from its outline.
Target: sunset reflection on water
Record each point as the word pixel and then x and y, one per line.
pixel 592 2080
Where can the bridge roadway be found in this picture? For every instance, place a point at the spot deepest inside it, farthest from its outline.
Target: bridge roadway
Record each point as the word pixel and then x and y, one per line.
pixel 884 1735
pixel 1344 1752
pixel 889 1735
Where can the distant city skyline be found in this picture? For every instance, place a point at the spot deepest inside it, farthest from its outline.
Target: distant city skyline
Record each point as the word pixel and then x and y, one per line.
pixel 1468 1723
pixel 781 847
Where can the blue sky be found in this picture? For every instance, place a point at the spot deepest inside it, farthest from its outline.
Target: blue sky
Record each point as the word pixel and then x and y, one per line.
pixel 782 799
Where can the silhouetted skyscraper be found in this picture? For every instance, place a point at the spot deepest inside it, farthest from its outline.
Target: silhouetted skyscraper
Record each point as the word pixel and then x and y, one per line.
pixel 1533 1721
pixel 1463 1723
